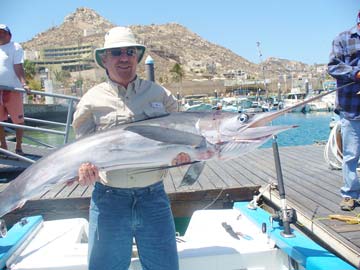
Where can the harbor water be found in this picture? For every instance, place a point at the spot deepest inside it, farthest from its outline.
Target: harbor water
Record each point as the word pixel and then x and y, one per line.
pixel 312 128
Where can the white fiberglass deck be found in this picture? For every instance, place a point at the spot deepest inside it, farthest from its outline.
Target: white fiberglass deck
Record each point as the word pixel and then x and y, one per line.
pixel 207 245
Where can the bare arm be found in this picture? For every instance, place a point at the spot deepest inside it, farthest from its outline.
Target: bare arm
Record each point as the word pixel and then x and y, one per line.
pixel 20 73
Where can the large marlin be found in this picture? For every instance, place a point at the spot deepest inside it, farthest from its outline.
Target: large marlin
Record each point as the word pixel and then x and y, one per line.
pixel 150 144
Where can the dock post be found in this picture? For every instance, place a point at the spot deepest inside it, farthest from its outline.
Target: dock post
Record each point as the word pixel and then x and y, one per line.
pixel 285 218
pixel 149 66
pixel 178 98
pixel 307 87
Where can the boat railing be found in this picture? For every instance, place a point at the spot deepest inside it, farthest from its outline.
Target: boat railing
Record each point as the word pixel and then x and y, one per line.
pixel 9 127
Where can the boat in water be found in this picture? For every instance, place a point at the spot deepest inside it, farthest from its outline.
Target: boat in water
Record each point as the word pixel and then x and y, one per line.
pixel 325 104
pixel 244 237
pixel 294 98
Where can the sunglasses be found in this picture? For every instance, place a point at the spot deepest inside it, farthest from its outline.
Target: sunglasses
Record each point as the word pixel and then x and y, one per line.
pixel 118 51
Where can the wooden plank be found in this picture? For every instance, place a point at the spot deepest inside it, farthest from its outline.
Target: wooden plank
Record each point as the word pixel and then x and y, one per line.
pixel 213 178
pixel 301 181
pixel 245 176
pixel 177 176
pixel 204 181
pixel 294 185
pixel 341 226
pixel 182 203
pixel 262 168
pixel 88 191
pixel 52 193
pixel 319 170
pixel 77 191
pixel 225 173
pixel 185 203
pixel 51 209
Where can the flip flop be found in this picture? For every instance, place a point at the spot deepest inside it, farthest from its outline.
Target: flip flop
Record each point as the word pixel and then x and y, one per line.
pixel 19 152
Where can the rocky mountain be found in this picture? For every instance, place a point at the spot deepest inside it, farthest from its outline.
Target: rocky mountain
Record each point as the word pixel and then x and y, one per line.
pixel 167 44
pixel 82 26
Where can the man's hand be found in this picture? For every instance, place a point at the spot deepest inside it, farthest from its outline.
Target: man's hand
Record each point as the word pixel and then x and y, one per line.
pixel 181 158
pixel 88 174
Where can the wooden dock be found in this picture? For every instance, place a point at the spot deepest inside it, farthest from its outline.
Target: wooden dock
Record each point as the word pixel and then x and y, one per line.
pixel 312 190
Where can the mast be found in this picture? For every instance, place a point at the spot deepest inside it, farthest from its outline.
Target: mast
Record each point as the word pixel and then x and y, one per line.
pixel 262 66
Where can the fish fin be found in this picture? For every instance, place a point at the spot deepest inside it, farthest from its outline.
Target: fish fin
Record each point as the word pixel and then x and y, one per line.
pixel 19 205
pixel 167 135
pixel 192 174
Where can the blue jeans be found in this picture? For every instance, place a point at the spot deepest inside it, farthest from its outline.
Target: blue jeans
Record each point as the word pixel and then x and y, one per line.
pixel 350 132
pixel 117 215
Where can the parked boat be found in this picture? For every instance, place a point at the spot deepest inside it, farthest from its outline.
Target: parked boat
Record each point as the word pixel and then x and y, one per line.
pixel 230 104
pixel 325 104
pixel 250 105
pixel 195 102
pixel 245 237
pixel 272 104
pixel 294 98
pixel 198 107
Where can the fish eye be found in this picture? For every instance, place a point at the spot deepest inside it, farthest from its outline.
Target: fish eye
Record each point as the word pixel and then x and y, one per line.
pixel 243 118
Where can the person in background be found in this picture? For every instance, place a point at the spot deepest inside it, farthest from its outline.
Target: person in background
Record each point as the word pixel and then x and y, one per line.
pixel 344 66
pixel 126 204
pixel 11 74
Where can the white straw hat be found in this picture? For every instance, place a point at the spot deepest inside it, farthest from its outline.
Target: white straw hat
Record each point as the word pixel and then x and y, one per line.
pixel 119 37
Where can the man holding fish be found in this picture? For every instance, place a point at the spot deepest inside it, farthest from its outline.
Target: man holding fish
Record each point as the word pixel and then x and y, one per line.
pixel 126 204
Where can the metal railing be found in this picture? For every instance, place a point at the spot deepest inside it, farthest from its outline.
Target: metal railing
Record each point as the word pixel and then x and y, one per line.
pixel 9 126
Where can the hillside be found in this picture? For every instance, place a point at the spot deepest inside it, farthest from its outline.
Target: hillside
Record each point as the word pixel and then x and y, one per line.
pixel 167 44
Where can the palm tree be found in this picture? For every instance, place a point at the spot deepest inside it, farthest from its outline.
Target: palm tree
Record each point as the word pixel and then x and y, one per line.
pixel 30 71
pixel 178 75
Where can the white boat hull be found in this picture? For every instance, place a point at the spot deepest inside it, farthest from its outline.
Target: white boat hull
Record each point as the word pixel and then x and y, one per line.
pixel 207 244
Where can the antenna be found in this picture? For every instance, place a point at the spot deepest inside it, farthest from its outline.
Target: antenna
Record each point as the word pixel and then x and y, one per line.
pixel 262 65
pixel 260 54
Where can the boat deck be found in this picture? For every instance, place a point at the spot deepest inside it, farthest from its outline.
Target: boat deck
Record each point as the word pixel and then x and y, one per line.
pixel 312 190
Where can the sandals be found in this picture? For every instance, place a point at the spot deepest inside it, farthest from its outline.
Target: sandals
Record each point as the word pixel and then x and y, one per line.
pixel 20 152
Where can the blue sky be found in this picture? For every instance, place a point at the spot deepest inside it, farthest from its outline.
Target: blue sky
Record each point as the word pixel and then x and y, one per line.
pixel 296 30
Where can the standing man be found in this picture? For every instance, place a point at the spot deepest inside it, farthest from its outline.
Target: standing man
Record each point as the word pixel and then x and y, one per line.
pixel 11 74
pixel 344 65
pixel 126 204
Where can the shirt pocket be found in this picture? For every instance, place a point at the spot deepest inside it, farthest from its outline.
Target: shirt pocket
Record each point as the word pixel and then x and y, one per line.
pixel 112 119
pixel 155 110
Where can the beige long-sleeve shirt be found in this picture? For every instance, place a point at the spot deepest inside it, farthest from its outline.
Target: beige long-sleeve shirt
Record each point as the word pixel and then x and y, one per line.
pixel 109 104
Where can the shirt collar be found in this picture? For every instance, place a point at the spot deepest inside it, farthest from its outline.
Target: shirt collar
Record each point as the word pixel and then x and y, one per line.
pixel 354 32
pixel 132 86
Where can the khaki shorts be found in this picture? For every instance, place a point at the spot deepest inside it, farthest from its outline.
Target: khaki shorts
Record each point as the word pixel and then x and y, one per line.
pixel 11 103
